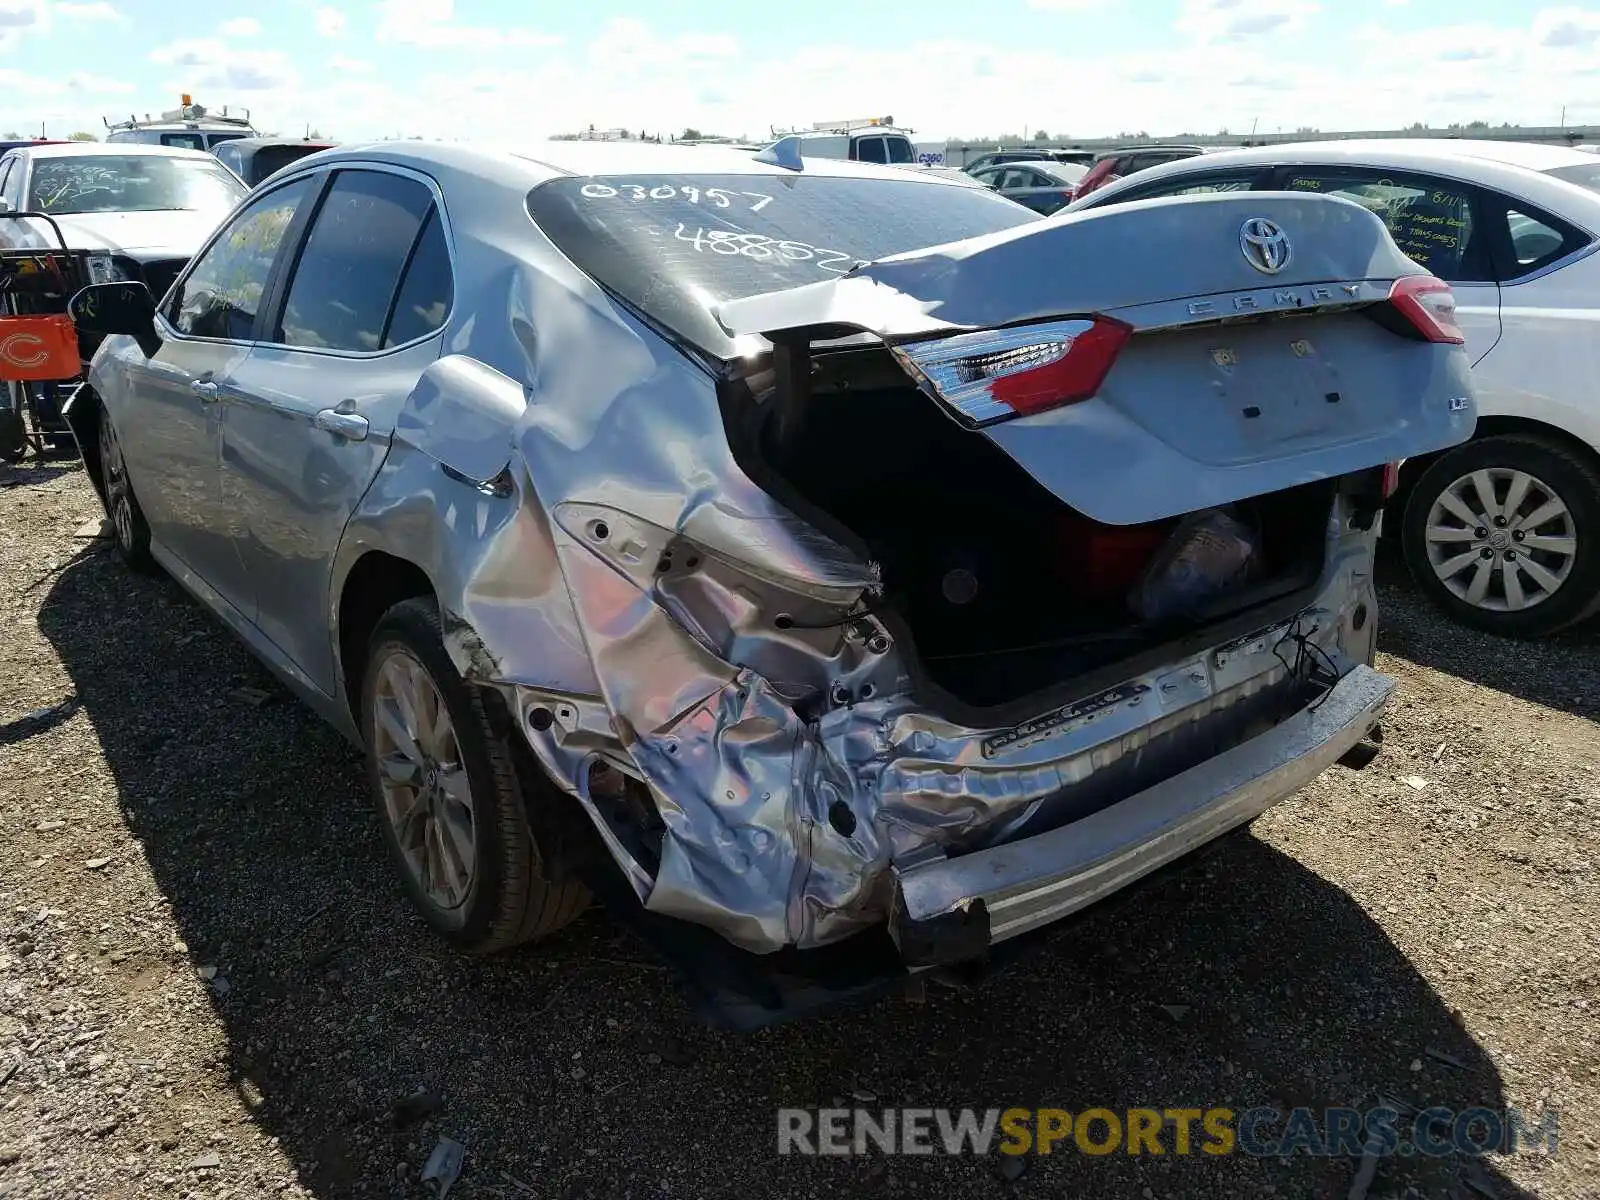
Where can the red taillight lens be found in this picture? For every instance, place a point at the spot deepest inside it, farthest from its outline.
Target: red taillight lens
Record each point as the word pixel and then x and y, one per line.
pixel 1391 479
pixel 999 374
pixel 1430 305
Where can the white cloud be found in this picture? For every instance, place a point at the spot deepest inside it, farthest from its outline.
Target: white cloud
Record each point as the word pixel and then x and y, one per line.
pixel 240 27
pixel 1068 6
pixel 21 14
pixel 1560 27
pixel 330 22
pixel 429 23
pixel 93 11
pixel 98 85
pixel 190 52
pixel 237 71
pixel 637 75
pixel 1231 20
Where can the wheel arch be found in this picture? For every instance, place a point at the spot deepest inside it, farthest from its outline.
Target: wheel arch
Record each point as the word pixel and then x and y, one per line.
pixel 83 416
pixel 1490 426
pixel 375 583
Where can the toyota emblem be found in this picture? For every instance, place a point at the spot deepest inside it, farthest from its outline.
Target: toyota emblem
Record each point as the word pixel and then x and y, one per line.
pixel 1265 245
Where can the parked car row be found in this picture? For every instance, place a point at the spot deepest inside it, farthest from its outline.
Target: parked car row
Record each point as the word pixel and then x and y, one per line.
pixel 134 207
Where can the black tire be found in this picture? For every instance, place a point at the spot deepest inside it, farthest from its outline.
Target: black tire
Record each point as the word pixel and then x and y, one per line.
pixel 130 532
pixel 1573 478
pixel 508 901
pixel 13 426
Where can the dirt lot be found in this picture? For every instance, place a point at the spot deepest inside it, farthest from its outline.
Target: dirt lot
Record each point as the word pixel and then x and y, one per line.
pixel 210 985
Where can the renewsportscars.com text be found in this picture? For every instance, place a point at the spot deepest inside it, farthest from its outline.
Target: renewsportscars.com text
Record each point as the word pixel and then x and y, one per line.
pixel 1259 1132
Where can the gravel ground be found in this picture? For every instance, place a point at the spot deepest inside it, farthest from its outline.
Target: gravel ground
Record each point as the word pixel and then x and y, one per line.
pixel 211 986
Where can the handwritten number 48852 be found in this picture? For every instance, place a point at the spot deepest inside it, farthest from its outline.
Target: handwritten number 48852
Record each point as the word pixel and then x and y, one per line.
pixel 764 249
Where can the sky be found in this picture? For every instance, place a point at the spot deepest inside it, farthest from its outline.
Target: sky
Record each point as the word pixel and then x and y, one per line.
pixel 504 70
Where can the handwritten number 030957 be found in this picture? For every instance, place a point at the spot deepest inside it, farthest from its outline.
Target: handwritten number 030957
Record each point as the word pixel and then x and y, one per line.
pixel 764 249
pixel 717 197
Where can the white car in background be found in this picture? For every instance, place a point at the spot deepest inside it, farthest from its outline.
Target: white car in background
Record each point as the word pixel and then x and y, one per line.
pixel 1503 531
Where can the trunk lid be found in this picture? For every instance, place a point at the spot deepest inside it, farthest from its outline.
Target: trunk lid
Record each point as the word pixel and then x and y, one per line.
pixel 1251 365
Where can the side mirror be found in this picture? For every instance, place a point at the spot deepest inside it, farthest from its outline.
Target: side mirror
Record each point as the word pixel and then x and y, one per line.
pixel 125 307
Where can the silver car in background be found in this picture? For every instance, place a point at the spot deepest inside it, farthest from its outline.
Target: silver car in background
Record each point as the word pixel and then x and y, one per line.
pixel 675 523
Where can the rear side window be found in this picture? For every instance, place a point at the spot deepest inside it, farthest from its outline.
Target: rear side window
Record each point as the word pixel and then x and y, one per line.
pixel 426 292
pixel 184 141
pixel 1530 238
pixel 343 287
pixel 1429 219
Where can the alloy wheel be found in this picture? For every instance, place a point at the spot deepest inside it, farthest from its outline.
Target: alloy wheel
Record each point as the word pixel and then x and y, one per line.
pixel 426 794
pixel 1501 539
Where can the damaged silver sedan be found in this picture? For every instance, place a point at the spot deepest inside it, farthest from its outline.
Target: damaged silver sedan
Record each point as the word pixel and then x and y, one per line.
pixel 677 524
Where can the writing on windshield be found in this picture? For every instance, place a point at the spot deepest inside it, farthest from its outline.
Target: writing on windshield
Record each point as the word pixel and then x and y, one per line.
pixel 91 183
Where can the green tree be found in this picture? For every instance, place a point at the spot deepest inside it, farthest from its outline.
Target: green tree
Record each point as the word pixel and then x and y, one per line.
pixel 80 136
pixel 691 134
pixel 1041 136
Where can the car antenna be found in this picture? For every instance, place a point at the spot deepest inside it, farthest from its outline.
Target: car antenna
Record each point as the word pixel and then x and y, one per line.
pixel 785 153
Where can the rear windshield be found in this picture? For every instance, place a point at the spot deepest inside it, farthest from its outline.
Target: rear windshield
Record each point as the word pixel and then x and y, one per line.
pixel 270 159
pixel 1584 175
pixel 673 245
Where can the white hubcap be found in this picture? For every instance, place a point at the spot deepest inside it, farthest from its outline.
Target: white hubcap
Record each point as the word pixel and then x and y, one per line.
pixel 1501 539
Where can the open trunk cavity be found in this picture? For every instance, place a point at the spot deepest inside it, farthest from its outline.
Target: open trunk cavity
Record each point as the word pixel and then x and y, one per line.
pixel 1002 589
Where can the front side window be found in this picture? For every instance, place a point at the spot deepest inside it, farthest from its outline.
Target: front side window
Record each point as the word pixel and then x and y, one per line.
pixel 92 183
pixel 1429 219
pixel 222 294
pixel 360 242
pixel 674 246
pixel 900 150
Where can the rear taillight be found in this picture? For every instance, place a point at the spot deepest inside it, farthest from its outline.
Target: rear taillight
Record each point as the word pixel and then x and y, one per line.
pixel 1428 303
pixel 1003 373
pixel 1391 479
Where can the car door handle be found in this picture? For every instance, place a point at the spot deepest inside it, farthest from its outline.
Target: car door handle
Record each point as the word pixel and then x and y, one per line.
pixel 352 426
pixel 205 389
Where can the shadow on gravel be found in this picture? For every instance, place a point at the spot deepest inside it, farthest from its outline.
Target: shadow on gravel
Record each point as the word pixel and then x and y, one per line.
pixel 1561 672
pixel 34 471
pixel 574 1068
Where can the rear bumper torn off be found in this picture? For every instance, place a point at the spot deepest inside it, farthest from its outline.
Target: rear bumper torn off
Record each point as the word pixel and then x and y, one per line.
pixel 947 909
